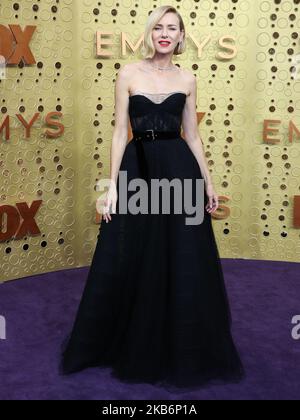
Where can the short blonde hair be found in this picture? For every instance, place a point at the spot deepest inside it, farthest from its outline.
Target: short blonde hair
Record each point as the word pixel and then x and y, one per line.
pixel 148 49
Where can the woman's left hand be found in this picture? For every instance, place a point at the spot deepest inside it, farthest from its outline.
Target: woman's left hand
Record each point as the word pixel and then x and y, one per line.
pixel 213 201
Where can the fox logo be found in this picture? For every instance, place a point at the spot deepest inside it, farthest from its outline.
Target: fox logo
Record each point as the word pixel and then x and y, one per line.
pixel 14 44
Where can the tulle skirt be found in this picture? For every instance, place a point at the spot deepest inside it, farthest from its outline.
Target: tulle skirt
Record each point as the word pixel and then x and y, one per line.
pixel 154 306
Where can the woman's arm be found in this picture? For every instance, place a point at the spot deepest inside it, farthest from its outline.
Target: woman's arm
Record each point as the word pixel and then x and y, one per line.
pixel 120 132
pixel 119 139
pixel 190 128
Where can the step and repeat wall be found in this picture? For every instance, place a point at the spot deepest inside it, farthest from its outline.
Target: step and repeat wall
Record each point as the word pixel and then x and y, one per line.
pixel 58 65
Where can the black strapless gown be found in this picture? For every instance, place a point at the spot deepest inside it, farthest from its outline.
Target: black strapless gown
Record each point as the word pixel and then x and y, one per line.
pixel 155 307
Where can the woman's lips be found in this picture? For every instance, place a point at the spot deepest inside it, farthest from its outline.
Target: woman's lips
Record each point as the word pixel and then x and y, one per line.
pixel 164 43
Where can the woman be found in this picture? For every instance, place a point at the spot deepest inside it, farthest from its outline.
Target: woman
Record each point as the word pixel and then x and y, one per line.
pixel 154 307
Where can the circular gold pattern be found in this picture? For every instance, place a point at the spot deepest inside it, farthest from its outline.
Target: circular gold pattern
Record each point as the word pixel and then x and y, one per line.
pixel 236 96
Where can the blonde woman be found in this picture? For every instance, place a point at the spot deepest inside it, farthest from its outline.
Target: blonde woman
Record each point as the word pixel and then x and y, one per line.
pixel 154 307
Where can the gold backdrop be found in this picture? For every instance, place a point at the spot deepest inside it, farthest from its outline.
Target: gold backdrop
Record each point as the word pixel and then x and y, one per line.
pixel 242 53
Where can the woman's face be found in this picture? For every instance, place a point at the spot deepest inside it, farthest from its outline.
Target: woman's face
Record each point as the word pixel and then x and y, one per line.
pixel 167 29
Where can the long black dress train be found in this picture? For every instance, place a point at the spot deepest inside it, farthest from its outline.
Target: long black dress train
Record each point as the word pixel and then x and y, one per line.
pixel 155 307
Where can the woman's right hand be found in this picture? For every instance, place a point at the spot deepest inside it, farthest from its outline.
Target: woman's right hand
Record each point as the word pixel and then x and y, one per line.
pixel 110 202
pixel 213 199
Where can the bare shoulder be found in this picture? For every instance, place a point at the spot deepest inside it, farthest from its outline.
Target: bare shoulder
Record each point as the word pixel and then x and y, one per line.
pixel 188 75
pixel 189 79
pixel 123 78
pixel 129 67
pixel 125 70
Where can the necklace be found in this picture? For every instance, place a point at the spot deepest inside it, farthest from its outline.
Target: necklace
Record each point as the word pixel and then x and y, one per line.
pixel 163 68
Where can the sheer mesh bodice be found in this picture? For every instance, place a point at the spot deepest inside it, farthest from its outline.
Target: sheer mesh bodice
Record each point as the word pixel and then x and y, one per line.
pixel 157 111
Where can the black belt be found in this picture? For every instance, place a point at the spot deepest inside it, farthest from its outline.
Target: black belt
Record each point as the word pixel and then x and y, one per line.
pixel 154 134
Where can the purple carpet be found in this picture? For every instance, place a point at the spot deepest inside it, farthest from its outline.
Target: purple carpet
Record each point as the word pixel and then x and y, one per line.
pixel 39 312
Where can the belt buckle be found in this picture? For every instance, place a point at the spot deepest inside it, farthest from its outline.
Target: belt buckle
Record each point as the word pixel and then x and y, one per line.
pixel 153 138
